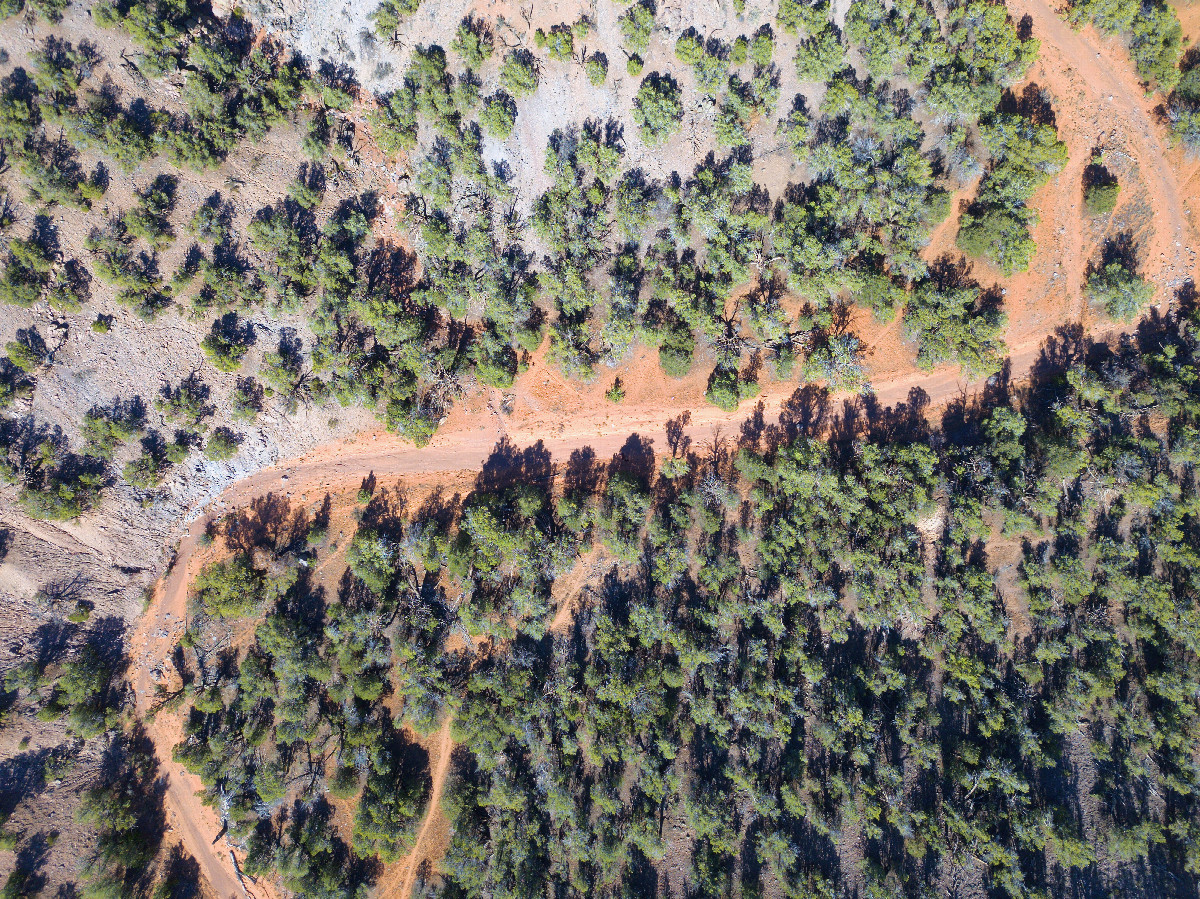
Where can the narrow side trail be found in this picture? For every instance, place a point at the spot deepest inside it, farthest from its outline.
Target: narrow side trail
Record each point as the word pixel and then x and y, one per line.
pixel 405 874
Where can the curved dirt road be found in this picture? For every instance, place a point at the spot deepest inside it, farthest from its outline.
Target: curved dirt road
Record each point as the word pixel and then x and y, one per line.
pixel 465 449
pixel 343 468
pixel 1099 102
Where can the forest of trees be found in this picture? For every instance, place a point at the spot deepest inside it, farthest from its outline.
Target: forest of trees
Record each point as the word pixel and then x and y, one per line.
pixel 853 652
pixel 74 674
pixel 848 653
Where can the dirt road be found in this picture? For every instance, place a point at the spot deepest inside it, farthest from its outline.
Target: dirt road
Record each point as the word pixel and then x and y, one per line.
pixel 157 633
pixel 1099 103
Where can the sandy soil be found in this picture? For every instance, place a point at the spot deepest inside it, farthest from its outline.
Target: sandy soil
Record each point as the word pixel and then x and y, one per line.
pixel 1098 102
